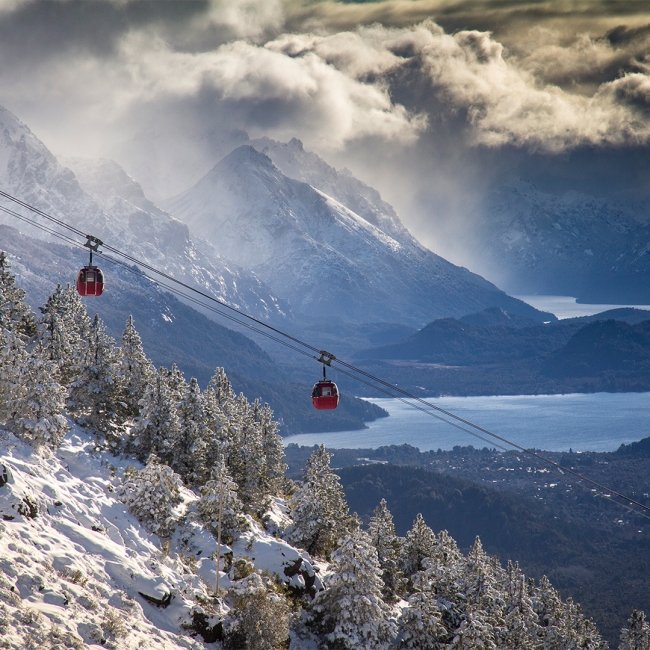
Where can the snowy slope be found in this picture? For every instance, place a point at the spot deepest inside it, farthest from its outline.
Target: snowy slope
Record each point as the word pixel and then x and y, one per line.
pixel 325 259
pixel 76 565
pixel 111 205
pixel 293 161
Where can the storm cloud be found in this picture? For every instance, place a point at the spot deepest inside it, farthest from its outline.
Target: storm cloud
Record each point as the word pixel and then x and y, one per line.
pixel 455 95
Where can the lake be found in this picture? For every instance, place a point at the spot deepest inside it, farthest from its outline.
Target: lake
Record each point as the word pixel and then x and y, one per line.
pixel 582 422
pixel 567 307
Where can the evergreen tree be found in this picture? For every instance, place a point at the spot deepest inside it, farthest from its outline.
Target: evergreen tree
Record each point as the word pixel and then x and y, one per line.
pixel 474 633
pixel 421 626
pixel 549 609
pixel 217 443
pixel 480 585
pixel 445 566
pixel 54 333
pixel 37 403
pixel 221 487
pixel 190 456
pixel 15 315
pixel 319 510
pixel 420 543
pixel 176 384
pixel 579 631
pixel 351 611
pixel 222 416
pixel 259 619
pixel 13 356
pixel 272 448
pixel 158 427
pixel 520 619
pixel 224 394
pixel 64 330
pixel 246 460
pixel 384 539
pixel 637 635
pixel 151 495
pixel 97 396
pixel 136 370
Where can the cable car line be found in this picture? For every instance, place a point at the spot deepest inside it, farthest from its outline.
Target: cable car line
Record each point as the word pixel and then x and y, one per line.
pixel 323 354
pixel 535 461
pixel 169 288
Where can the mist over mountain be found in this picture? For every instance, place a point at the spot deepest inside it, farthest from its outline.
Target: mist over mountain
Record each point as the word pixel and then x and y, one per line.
pixel 573 243
pixel 314 251
pixel 109 204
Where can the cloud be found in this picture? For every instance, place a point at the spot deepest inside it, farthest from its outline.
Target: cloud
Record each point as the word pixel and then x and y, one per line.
pixel 548 91
pixel 247 19
pixel 346 78
pixel 266 87
pixel 504 99
pixel 8 6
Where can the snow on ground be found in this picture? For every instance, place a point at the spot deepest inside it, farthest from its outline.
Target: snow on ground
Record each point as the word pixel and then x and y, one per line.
pixel 75 566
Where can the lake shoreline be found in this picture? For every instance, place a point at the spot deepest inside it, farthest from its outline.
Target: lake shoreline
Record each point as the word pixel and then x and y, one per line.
pixel 598 422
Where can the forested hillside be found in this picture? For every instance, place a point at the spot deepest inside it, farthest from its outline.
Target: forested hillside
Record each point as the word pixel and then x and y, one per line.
pixel 116 477
pixel 175 333
pixel 494 353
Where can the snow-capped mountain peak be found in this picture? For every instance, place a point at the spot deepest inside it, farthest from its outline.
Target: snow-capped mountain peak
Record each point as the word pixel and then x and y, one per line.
pixel 101 199
pixel 294 161
pixel 326 259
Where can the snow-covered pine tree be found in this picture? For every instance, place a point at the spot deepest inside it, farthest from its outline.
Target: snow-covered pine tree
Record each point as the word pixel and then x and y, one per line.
pixel 351 612
pixel 636 636
pixel 474 633
pixel 444 567
pixel 158 427
pixel 272 448
pixel 135 371
pixel 54 333
pixel 319 510
pixel 420 543
pixel 259 619
pixel 222 387
pixel 578 630
pixel 190 455
pixel 15 315
pixel 97 396
pixel 549 609
pixel 151 494
pixel 520 629
pixel 13 356
pixel 421 626
pixel 224 403
pixel 480 584
pixel 246 460
pixel 64 329
pixel 215 420
pixel 176 383
pixel 384 539
pixel 221 486
pixel 37 405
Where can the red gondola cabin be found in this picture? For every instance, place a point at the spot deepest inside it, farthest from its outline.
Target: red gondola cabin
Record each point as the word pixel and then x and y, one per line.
pixel 90 281
pixel 325 395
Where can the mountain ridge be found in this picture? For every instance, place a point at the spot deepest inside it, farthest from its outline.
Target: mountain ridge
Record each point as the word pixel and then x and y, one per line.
pixel 322 257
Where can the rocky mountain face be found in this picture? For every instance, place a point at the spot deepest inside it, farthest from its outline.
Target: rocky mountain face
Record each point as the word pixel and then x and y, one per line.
pixel 315 251
pixel 574 244
pixel 295 162
pixel 99 198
